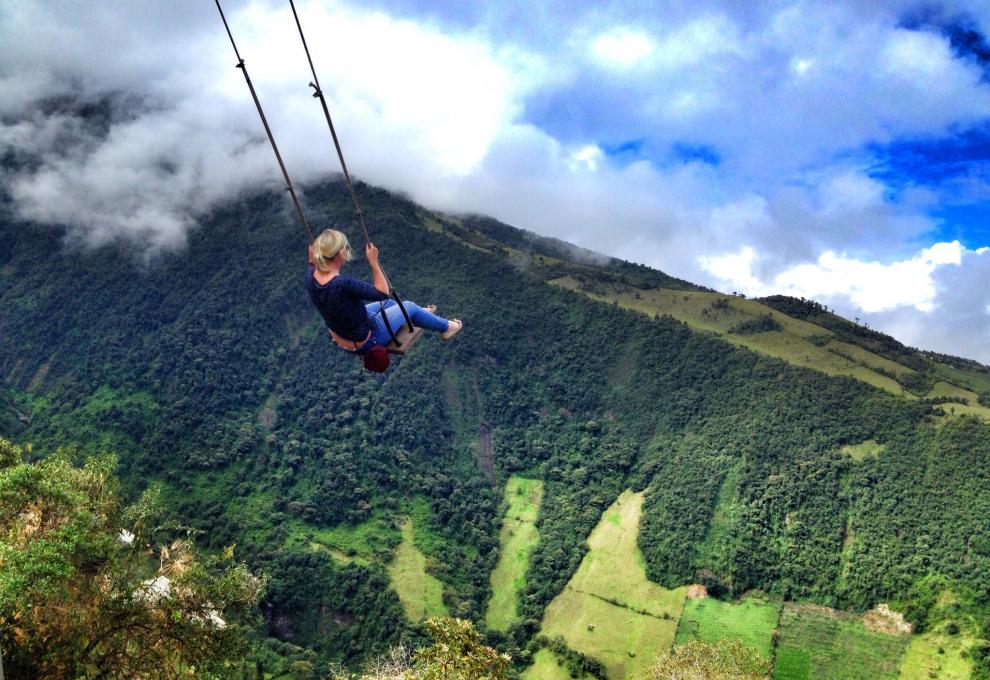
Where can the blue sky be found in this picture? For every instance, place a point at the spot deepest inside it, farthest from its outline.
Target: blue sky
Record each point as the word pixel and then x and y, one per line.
pixel 837 150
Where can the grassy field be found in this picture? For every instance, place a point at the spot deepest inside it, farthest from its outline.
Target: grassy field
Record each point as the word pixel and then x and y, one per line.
pixel 751 621
pixel 863 450
pixel 924 661
pixel 362 543
pixel 516 539
pixel 971 380
pixel 867 358
pixel 609 610
pixel 824 644
pixel 547 667
pixel 421 594
pixel 972 406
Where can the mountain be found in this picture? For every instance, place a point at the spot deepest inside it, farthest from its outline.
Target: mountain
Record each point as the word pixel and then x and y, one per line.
pixel 743 445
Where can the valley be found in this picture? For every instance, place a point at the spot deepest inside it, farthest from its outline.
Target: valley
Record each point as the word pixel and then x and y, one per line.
pixel 565 487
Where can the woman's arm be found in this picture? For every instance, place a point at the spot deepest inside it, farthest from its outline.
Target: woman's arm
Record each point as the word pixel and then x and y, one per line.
pixel 381 283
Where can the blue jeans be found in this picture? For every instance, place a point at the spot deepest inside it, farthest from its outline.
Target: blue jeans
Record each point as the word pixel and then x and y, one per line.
pixel 419 316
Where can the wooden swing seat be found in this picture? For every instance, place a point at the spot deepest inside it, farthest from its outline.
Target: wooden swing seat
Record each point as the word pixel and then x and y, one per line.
pixel 406 337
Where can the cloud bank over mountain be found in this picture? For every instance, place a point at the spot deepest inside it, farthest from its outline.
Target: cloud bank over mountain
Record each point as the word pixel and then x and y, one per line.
pixel 839 151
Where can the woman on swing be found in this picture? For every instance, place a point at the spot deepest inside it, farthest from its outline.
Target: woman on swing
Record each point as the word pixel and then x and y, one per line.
pixel 355 325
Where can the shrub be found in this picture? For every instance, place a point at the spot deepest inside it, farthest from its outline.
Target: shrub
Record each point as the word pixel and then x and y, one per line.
pixel 761 324
pixel 79 597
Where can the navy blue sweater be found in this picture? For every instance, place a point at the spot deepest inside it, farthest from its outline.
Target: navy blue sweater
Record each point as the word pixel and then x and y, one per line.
pixel 341 302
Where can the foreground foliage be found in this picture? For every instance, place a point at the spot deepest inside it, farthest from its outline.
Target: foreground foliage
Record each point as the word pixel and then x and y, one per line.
pixel 457 653
pixel 697 660
pixel 79 598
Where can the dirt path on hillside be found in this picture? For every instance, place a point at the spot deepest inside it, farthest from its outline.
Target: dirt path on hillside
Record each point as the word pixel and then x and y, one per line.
pixel 485 452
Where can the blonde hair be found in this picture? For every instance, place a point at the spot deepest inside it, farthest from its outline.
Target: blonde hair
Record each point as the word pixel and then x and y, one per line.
pixel 328 245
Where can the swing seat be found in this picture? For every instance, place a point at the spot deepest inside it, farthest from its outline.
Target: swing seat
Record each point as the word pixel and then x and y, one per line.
pixel 406 339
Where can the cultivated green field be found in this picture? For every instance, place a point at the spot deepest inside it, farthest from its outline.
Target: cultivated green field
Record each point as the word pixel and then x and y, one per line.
pixel 924 661
pixel 421 594
pixel 609 610
pixel 517 539
pixel 969 379
pixel 824 644
pixel 752 621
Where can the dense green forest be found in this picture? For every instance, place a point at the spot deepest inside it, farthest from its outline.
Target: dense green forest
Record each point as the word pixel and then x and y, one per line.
pixel 207 371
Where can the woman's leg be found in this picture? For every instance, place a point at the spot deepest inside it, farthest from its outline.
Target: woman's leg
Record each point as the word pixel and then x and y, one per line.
pixel 420 317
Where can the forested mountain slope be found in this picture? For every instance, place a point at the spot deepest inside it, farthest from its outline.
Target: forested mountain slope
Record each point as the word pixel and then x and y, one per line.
pixel 208 373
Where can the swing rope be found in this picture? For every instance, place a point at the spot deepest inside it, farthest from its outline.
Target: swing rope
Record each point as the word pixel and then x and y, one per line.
pixel 318 94
pixel 264 121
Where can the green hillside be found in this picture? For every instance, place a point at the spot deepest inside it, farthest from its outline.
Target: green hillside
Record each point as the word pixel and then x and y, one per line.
pixel 208 373
pixel 821 341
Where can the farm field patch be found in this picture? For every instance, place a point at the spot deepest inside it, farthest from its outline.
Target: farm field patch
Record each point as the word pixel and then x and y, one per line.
pixel 420 593
pixel 971 407
pixel 363 543
pixel 517 538
pixel 752 621
pixel 867 449
pixel 936 656
pixel 825 644
pixel 546 666
pixel 609 610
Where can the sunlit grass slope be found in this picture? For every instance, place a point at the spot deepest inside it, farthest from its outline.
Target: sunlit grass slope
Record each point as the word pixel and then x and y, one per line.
pixel 936 656
pixel 824 644
pixel 517 539
pixel 420 593
pixel 546 666
pixel 719 314
pixel 971 407
pixel 609 610
pixel 751 621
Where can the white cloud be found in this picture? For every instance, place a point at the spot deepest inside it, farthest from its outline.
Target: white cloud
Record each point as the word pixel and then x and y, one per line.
pixel 959 322
pixel 851 191
pixel 621 48
pixel 441 98
pixel 870 286
pixel 587 157
pixel 697 41
pixel 913 55
pixel 409 102
pixel 736 269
